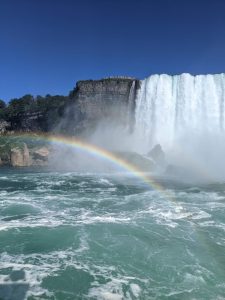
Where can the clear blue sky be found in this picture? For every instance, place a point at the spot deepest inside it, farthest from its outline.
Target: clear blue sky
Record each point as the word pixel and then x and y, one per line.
pixel 47 45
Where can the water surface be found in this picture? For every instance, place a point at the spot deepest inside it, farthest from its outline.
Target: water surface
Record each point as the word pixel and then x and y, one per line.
pixel 100 236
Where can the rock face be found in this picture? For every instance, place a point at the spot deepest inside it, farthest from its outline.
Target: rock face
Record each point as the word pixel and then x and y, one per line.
pixel 4 125
pixel 41 153
pixel 157 155
pixel 16 153
pixel 96 100
pixel 40 156
pixel 140 162
pixel 32 121
pixel 20 157
pixel 90 102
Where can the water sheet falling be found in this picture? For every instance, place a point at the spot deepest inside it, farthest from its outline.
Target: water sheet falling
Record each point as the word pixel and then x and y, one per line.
pixel 169 107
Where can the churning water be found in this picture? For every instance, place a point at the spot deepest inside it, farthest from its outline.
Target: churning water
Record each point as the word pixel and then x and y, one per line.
pixel 109 236
pixel 102 236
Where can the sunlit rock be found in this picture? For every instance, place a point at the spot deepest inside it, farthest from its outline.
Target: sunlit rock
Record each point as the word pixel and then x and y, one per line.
pixel 41 153
pixel 40 156
pixel 20 157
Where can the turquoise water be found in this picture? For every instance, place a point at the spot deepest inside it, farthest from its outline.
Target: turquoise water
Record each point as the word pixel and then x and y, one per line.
pixel 102 236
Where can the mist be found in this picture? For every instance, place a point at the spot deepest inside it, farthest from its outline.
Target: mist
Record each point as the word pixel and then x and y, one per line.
pixel 200 156
pixel 183 114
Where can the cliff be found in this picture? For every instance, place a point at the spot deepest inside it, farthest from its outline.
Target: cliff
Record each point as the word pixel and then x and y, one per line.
pixel 15 151
pixel 93 101
pixel 86 105
pixel 90 103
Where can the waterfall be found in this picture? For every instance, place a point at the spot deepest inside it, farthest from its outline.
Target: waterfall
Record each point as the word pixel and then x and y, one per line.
pixel 130 106
pixel 168 107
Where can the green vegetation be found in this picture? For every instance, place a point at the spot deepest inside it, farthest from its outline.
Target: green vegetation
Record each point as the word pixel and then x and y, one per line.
pixel 8 142
pixel 2 109
pixel 2 104
pixel 30 113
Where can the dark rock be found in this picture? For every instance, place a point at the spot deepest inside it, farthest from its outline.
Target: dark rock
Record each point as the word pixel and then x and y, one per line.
pixel 157 154
pixel 140 162
pixel 95 100
pixel 90 102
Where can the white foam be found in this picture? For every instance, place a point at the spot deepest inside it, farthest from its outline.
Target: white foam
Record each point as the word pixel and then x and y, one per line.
pixel 38 266
pixel 193 279
pixel 200 215
pixel 135 289
pixel 3 227
pixel 105 181
pixel 110 296
pixel 113 289
pixel 88 219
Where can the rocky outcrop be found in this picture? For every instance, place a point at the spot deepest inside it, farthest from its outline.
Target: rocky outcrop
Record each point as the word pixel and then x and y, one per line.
pixel 40 156
pixel 110 99
pixel 41 153
pixel 20 157
pixel 95 100
pixel 158 155
pixel 32 121
pixel 4 126
pixel 136 160
pixel 19 154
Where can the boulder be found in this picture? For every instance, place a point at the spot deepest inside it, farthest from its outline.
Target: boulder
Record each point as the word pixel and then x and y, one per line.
pixel 158 155
pixel 41 153
pixel 20 156
pixel 40 156
pixel 142 163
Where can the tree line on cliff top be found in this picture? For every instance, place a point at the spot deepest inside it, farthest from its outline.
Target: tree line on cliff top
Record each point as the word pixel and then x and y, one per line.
pixel 47 107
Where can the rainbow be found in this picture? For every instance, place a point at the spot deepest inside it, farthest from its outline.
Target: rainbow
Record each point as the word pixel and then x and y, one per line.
pixel 101 153
pixel 111 157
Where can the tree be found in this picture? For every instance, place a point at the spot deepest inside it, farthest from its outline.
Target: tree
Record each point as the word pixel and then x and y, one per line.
pixel 21 105
pixel 2 110
pixel 2 104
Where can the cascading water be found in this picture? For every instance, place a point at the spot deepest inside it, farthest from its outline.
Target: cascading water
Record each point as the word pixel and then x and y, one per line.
pixel 169 107
pixel 130 106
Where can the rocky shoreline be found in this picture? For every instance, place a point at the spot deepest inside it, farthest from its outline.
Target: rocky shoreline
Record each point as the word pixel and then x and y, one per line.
pixel 18 151
pixel 22 156
pixel 90 104
pixel 86 106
